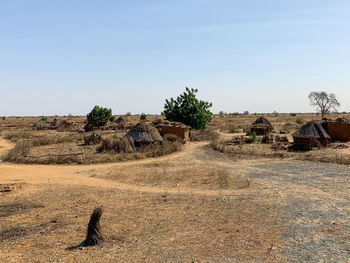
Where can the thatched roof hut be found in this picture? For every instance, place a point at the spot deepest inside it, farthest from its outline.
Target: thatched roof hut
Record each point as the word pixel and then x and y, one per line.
pixel 310 135
pixel 41 125
pixel 121 120
pixel 56 123
pixel 261 126
pixel 143 133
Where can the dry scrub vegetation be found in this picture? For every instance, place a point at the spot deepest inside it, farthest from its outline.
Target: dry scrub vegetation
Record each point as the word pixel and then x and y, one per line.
pixel 231 204
pixel 70 147
pixel 330 154
pixel 66 147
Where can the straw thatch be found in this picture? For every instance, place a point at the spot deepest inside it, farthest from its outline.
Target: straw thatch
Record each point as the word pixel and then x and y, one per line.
pixel 56 123
pixel 310 135
pixel 261 127
pixel 262 121
pixel 121 120
pixel 143 133
pixel 92 139
pixel 313 128
pixel 41 125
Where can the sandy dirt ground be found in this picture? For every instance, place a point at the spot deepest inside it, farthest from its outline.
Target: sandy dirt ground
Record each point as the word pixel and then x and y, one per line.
pixel 197 205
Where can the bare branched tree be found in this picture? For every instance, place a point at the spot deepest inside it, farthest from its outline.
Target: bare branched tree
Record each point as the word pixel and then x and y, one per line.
pixel 323 101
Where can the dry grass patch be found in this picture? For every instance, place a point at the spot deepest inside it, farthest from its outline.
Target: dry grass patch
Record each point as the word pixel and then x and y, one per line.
pixel 140 227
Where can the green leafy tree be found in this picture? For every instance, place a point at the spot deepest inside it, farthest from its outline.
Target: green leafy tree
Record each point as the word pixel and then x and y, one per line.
pixel 188 110
pixel 143 116
pixel 99 116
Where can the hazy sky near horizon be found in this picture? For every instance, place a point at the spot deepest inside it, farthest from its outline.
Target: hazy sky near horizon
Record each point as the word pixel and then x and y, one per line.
pixel 61 57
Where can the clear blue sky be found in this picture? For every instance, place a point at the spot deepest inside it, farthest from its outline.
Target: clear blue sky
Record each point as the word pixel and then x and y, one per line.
pixel 60 57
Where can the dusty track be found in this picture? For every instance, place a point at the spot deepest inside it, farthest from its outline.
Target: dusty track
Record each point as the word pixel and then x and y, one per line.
pixel 79 174
pixel 307 203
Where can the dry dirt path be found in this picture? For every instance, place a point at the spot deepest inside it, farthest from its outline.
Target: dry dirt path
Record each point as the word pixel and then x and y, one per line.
pixel 315 197
pixel 34 174
pixel 74 174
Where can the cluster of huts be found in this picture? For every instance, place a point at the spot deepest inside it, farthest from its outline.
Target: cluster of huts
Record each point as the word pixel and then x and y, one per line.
pixel 56 124
pixel 143 133
pixel 312 134
pixel 321 133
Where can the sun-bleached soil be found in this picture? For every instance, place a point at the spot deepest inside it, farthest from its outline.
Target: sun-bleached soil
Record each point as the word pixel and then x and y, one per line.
pixel 196 205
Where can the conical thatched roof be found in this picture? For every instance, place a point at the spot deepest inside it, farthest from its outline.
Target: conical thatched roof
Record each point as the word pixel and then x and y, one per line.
pixel 262 121
pixel 143 133
pixel 312 129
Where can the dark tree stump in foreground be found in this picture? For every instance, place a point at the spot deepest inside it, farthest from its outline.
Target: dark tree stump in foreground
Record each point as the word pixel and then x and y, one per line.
pixel 94 234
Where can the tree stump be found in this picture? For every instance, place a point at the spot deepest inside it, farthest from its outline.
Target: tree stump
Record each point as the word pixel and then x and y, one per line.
pixel 94 234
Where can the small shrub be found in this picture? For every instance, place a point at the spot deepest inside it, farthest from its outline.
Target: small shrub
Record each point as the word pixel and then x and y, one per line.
pixel 43 119
pixel 143 117
pixel 16 136
pixel 293 114
pixel 99 116
pixel 20 151
pixel 92 139
pixel 253 136
pixel 233 129
pixel 217 143
pixel 300 121
pixel 172 137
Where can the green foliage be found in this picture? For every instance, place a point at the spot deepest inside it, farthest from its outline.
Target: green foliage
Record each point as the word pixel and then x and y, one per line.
pixel 293 114
pixel 300 121
pixel 188 110
pixel 143 116
pixel 253 136
pixel 44 118
pixel 99 116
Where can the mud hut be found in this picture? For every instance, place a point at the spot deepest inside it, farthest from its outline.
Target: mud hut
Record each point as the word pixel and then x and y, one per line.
pixel 310 135
pixel 178 129
pixel 261 127
pixel 143 134
pixel 339 130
